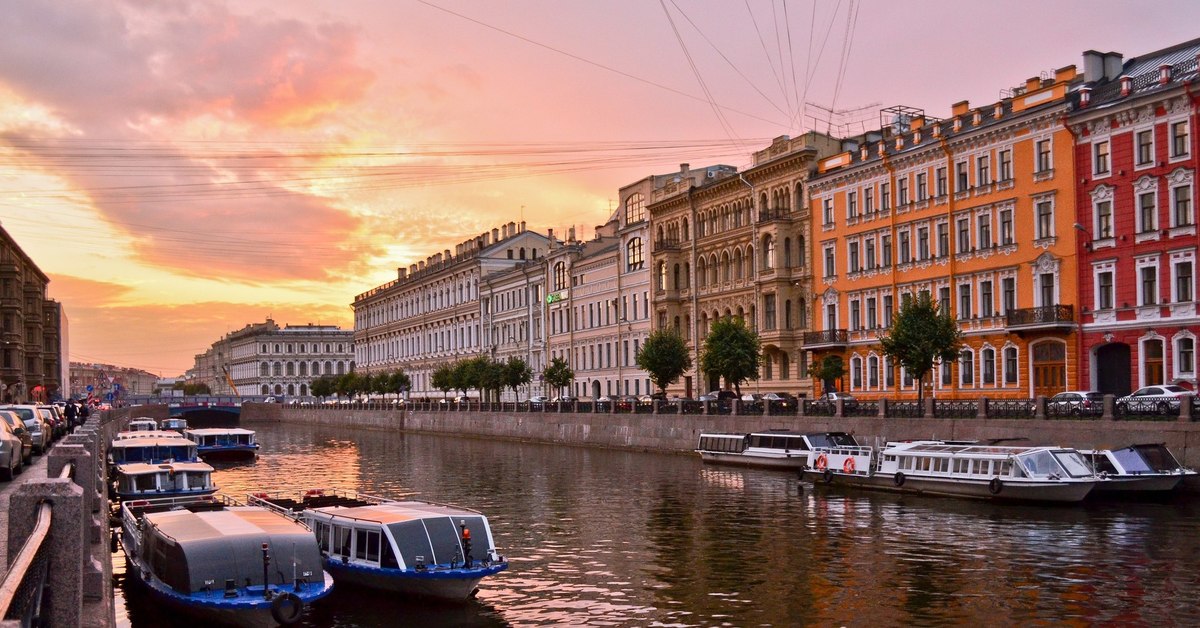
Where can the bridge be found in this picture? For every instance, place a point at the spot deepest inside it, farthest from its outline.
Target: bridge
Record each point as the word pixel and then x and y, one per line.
pixel 200 410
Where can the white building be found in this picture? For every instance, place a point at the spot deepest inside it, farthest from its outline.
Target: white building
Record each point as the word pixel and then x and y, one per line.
pixel 264 359
pixel 512 303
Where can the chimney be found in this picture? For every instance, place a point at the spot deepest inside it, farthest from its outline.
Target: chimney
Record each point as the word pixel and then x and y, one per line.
pixel 1164 74
pixel 550 234
pixel 1112 65
pixel 684 170
pixel 998 110
pixel 1032 83
pixel 446 255
pixel 1085 97
pixel 1126 84
pixel 959 108
pixel 522 227
pixel 401 273
pixel 504 232
pixel 571 234
pixel 495 235
pixel 512 228
pixel 1093 66
pixel 916 122
pixel 866 154
pixel 420 265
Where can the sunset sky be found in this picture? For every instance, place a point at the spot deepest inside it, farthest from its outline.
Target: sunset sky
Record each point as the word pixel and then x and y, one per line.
pixel 181 169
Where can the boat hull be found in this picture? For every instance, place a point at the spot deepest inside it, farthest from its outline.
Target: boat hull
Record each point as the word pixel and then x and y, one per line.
pixel 443 584
pixel 794 461
pixel 228 453
pixel 1010 489
pixel 123 496
pixel 1128 485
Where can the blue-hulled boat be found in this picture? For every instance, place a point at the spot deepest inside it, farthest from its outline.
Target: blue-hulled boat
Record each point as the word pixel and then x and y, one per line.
pixel 150 447
pixel 142 480
pixel 409 547
pixel 224 442
pixel 222 562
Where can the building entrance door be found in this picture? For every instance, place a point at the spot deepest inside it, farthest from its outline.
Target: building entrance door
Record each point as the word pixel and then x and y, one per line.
pixel 1049 369
pixel 1112 369
pixel 1152 362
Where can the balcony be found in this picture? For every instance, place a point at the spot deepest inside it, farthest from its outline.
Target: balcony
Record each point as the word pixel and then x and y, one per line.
pixel 826 339
pixel 769 215
pixel 667 245
pixel 1049 317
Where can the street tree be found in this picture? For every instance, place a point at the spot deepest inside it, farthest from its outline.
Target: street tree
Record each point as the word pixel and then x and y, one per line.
pixel 920 335
pixel 444 378
pixel 732 351
pixel 558 374
pixel 321 386
pixel 828 370
pixel 665 357
pixel 517 373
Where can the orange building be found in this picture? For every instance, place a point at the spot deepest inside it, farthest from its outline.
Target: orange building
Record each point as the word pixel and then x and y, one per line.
pixel 978 211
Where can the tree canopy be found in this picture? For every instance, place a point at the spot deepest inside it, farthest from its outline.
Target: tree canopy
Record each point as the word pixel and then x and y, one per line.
pixel 558 374
pixel 828 370
pixel 665 357
pixel 921 335
pixel 732 351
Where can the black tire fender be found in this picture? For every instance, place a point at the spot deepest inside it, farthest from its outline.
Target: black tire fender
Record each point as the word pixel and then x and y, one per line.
pixel 898 479
pixel 287 608
pixel 995 486
pixel 827 476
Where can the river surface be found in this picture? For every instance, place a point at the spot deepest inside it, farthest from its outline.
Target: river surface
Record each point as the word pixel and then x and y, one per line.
pixel 615 538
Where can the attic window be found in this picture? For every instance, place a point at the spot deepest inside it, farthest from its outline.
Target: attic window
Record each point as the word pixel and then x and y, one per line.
pixel 998 111
pixel 957 124
pixel 977 118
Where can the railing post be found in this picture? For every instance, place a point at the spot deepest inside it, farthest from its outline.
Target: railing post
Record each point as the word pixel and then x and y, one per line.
pixel 883 408
pixel 766 411
pixel 981 410
pixel 800 407
pixel 65 542
pixel 1039 408
pixel 734 406
pixel 928 410
pixel 654 405
pixel 839 407
pixel 1110 408
pixel 1185 408
pixel 704 406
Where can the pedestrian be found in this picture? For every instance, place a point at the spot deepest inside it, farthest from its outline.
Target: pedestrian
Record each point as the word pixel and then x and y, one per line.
pixel 466 543
pixel 84 412
pixel 72 414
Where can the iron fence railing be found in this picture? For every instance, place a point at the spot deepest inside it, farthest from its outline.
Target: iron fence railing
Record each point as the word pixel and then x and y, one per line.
pixel 1011 408
pixel 862 408
pixel 814 407
pixel 905 409
pixel 955 409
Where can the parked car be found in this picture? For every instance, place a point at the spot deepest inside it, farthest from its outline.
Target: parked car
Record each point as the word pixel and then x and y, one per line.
pixel 11 456
pixel 565 399
pixel 712 396
pixel 848 400
pixel 38 430
pixel 17 427
pixel 539 399
pixel 1076 403
pixel 780 400
pixel 1163 399
pixel 724 394
pixel 626 403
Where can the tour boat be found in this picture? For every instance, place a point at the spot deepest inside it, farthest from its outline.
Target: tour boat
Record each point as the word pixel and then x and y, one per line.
pixel 173 425
pixel 409 547
pixel 776 449
pixel 224 442
pixel 223 562
pixel 151 448
pixel 1148 470
pixel 142 480
pixel 1044 474
pixel 142 424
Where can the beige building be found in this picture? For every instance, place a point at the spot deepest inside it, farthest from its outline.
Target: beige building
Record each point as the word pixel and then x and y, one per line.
pixel 737 244
pixel 30 327
pixel 431 313
pixel 264 359
pixel 512 303
pixel 101 380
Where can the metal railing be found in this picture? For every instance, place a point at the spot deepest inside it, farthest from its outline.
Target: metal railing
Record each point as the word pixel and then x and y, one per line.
pixel 1046 315
pixel 24 584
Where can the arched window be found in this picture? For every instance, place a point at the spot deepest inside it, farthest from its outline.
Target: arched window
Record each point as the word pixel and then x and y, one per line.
pixel 291 389
pixel 291 368
pixel 727 267
pixel 987 366
pixel 966 367
pixel 266 390
pixel 277 369
pixel 560 276
pixel 662 275
pixel 676 277
pixel 303 390
pixel 737 264
pixel 634 259
pixel 872 372
pixel 856 366
pixel 304 368
pixel 687 275
pixel 686 235
pixel 278 389
pixel 768 252
pixel 785 366
pixel 701 273
pixel 329 368
pixel 520 254
pixel 635 208
pixel 341 368
pixel 787 252
pixel 316 368
pixel 264 369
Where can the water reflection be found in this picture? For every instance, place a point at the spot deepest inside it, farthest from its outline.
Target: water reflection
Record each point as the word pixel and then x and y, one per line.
pixel 600 537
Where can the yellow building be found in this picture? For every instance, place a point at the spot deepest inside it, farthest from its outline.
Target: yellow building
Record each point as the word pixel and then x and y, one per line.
pixel 978 211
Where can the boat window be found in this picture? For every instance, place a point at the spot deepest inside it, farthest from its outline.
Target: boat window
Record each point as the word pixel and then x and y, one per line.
pixel 1158 457
pixel 145 482
pixel 1073 463
pixel 341 541
pixel 906 463
pixel 1131 461
pixel 321 529
pixel 943 465
pixel 1040 463
pixel 924 466
pixel 1101 463
pixel 197 480
pixel 412 541
pixel 388 559
pixel 1004 468
pixel 366 545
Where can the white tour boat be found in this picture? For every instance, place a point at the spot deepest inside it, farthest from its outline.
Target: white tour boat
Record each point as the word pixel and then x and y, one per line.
pixel 776 449
pixel 410 547
pixel 1148 470
pixel 221 562
pixel 142 424
pixel 1046 474
pixel 152 447
pixel 224 442
pixel 141 480
pixel 173 424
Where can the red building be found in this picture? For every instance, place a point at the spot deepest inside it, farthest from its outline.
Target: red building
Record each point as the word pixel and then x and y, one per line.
pixel 1136 151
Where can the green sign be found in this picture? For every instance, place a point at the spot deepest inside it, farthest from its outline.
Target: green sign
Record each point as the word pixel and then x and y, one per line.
pixel 554 297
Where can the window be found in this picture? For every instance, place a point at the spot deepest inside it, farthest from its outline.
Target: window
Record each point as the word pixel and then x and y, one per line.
pixel 940 181
pixel 905 248
pixel 885 196
pixel 1183 282
pixel 1144 152
pixel 966 367
pixel 873 372
pixel 943 239
pixel 1104 220
pixel 985 230
pixel 854 257
pixel 869 200
pixel 887 310
pixel 768 311
pixel 1104 290
pixel 1100 157
pixel 986 306
pixel 662 277
pixel 855 315
pixel 987 365
pixel 634 259
pixel 922 186
pixel 1010 365
pixel 960 177
pixel 885 242
pixel 947 373
pixel 1043 156
pixel 1008 286
pixel 870 252
pixel 1045 219
pixel 923 243
pixel 829 262
pixel 560 276
pixel 851 205
pixel 1179 139
pixel 856 372
pixel 1146 212
pixel 635 208
pixel 1149 285
pixel 902 191
pixel 1046 292
pixel 828 210
pixel 964 300
pixel 1185 356
pixel 944 301
pixel 872 319
pixel 1006 226
pixel 964 235
pixel 983 167
pixel 1006 165
pixel 1181 206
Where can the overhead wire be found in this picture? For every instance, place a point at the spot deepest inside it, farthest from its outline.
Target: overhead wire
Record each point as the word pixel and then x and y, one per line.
pixel 777 73
pixel 847 45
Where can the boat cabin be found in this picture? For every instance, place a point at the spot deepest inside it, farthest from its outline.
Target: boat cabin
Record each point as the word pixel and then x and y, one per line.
pixel 222 438
pixel 141 479
pixel 401 535
pixel 151 449
pixel 142 424
pixel 982 461
pixel 173 424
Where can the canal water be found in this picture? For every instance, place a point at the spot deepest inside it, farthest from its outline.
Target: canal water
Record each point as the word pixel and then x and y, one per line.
pixel 616 538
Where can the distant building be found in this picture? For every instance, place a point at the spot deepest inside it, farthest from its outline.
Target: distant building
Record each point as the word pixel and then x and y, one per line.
pixel 264 359
pixel 31 360
pixel 99 381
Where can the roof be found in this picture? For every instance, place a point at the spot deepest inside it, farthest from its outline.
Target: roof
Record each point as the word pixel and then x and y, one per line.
pixel 395 512
pixel 143 468
pixel 235 521
pixel 1144 72
pixel 215 431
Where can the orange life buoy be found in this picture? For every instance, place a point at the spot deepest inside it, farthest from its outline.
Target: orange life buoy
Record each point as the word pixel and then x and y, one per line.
pixel 315 492
pixel 822 462
pixel 848 465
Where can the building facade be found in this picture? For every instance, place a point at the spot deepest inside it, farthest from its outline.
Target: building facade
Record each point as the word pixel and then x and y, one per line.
pixel 736 244
pixel 431 313
pixel 512 303
pixel 1136 154
pixel 263 359
pixel 106 382
pixel 30 328
pixel 976 210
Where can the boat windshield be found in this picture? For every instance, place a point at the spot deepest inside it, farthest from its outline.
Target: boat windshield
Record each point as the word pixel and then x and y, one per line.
pixel 1073 462
pixel 1043 463
pixel 1158 457
pixel 1132 461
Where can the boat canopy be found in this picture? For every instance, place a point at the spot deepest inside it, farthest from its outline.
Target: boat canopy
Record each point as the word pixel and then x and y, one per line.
pixel 424 533
pixel 151 450
pixel 1156 456
pixel 197 551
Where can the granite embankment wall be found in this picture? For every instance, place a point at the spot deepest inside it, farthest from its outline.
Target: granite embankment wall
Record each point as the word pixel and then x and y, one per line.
pixel 679 433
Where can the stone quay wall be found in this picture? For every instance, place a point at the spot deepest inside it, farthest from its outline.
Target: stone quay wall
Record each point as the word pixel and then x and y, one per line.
pixel 679 433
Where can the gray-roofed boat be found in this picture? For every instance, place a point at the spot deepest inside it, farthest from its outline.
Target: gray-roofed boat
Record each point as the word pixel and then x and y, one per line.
pixel 224 442
pixel 775 449
pixel 155 448
pixel 410 547
pixel 141 480
pixel 1043 474
pixel 223 562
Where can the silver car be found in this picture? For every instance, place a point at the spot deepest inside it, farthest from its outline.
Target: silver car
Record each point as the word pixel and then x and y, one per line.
pixel 17 427
pixel 38 430
pixel 11 459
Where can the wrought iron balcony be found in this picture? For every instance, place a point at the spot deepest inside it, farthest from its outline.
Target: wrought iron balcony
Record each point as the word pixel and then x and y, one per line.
pixel 1045 317
pixel 667 245
pixel 825 338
